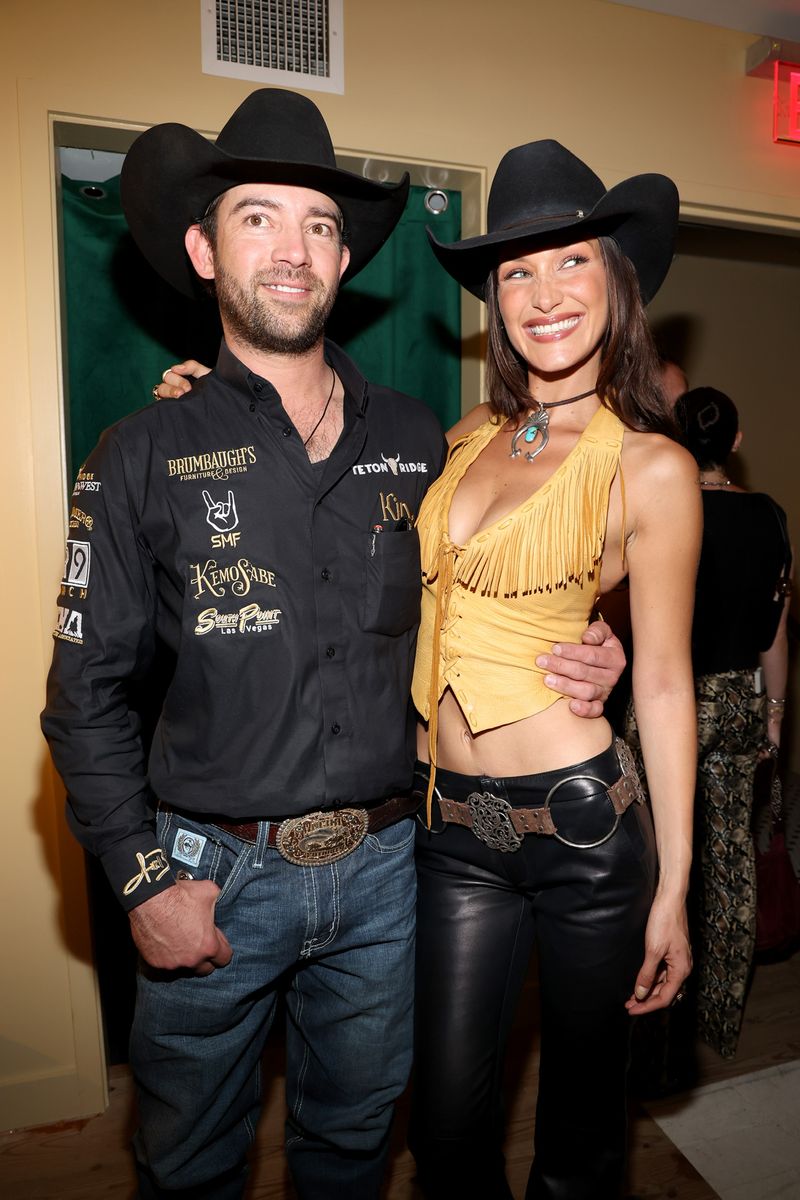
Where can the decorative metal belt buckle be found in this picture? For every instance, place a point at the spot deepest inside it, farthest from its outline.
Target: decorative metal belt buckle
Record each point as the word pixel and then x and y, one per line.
pixel 320 838
pixel 491 821
pixel 627 765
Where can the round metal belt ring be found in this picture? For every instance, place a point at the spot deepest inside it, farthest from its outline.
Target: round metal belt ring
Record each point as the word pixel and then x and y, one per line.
pixel 582 845
pixel 421 818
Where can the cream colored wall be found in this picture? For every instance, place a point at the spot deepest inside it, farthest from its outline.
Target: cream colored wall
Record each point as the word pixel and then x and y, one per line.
pixel 456 82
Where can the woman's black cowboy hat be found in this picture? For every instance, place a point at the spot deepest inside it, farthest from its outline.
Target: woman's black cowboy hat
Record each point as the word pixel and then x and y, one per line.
pixel 541 193
pixel 171 174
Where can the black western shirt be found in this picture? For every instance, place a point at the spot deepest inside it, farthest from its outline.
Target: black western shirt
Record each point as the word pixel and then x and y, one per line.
pixel 286 592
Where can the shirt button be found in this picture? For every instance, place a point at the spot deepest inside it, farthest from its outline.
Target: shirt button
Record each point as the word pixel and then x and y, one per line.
pixel 287 431
pixel 331 652
pixel 258 388
pixel 325 573
pixel 336 728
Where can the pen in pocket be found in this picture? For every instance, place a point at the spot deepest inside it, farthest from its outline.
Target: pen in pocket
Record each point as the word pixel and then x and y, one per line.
pixel 401 526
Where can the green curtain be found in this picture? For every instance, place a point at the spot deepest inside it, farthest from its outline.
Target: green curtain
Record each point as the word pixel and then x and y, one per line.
pixel 399 318
pixel 124 324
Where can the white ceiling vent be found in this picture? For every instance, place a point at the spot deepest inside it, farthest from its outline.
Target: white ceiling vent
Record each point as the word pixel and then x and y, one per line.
pixel 292 43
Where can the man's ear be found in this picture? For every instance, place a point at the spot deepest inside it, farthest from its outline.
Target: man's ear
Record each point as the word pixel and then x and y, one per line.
pixel 343 265
pixel 200 252
pixel 737 441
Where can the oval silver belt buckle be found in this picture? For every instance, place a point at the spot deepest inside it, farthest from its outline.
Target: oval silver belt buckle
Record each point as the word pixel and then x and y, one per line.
pixel 322 837
pixel 491 821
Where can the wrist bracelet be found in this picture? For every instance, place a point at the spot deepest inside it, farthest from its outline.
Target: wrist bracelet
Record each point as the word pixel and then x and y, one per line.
pixel 776 705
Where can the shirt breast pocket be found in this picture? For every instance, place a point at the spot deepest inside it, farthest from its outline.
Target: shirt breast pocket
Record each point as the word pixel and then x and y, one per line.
pixel 392 582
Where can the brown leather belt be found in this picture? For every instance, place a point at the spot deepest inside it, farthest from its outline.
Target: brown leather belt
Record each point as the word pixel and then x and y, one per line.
pixel 317 838
pixel 501 826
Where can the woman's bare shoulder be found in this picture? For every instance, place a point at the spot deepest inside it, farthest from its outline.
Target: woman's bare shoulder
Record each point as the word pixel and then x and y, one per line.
pixel 657 459
pixel 469 422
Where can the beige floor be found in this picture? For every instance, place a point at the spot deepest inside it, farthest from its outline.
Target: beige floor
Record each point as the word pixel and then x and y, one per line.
pixel 89 1159
pixel 742 1134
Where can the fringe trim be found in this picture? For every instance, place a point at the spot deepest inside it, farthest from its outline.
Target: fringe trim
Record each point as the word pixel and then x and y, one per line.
pixel 555 538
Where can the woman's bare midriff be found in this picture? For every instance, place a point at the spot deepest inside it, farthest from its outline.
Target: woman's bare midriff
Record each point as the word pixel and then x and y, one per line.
pixel 546 741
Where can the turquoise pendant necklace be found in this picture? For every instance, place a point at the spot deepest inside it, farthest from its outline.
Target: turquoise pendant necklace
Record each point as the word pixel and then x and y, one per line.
pixel 536 424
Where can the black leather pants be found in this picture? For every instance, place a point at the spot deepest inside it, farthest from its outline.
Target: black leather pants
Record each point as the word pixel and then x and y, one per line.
pixel 479 914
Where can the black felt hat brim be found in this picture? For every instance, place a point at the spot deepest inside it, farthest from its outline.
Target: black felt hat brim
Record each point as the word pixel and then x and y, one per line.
pixel 640 213
pixel 172 173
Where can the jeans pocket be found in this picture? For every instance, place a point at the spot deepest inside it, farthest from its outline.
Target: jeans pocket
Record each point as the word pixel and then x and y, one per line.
pixel 395 838
pixel 200 851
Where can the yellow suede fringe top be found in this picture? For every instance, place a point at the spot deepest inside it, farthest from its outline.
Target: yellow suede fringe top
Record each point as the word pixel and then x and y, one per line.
pixel 515 588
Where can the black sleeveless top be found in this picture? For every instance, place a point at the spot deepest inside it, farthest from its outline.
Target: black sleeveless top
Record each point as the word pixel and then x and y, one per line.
pixel 743 552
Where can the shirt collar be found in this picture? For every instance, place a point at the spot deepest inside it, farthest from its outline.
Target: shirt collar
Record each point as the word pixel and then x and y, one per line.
pixel 252 387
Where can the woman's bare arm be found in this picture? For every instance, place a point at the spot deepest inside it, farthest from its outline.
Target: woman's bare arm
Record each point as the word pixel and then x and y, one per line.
pixel 663 551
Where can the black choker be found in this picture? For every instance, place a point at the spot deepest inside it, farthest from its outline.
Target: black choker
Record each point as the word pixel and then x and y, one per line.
pixel 569 399
pixel 537 422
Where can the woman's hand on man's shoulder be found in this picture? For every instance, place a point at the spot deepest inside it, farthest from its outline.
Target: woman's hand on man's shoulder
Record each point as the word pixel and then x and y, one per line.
pixel 176 380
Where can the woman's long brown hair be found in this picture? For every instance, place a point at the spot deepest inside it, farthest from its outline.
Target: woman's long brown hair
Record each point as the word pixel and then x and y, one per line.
pixel 629 379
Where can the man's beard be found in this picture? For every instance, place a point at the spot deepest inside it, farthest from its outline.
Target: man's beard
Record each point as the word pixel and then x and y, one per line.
pixel 263 326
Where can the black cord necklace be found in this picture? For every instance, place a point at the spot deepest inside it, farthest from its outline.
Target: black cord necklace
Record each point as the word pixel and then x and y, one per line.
pixel 536 424
pixel 325 409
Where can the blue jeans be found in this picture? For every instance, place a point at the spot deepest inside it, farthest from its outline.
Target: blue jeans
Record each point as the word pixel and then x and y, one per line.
pixel 338 942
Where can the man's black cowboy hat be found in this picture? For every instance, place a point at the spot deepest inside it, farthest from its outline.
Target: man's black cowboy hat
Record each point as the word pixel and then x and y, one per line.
pixel 171 174
pixel 543 194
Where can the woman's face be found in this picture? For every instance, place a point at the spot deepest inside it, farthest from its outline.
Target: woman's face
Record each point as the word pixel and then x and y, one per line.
pixel 554 305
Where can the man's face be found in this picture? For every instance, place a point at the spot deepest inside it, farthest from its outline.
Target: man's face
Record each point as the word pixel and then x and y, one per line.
pixel 276 263
pixel 673 382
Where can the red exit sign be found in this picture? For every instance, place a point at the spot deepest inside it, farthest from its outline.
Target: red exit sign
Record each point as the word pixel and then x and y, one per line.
pixel 786 104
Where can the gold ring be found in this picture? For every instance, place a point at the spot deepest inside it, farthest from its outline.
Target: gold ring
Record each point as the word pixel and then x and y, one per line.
pixel 164 374
pixel 155 393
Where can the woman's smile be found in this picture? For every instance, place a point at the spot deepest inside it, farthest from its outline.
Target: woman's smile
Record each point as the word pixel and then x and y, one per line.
pixel 554 305
pixel 553 330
